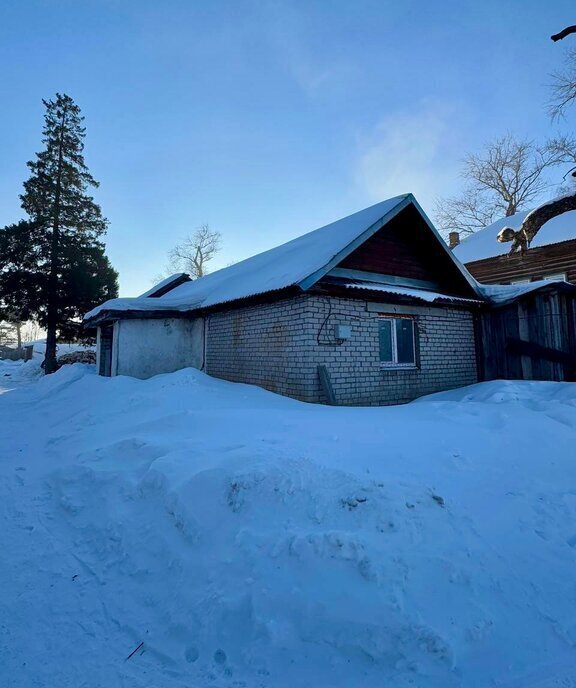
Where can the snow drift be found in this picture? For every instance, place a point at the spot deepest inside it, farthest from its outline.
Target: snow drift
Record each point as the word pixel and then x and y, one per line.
pixel 184 531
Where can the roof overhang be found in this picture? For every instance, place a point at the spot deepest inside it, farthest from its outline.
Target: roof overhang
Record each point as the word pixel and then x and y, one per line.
pixel 424 295
pixel 500 295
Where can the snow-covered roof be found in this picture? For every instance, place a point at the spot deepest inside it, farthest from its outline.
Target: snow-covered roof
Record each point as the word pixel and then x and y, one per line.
pixel 421 294
pixel 300 262
pixel 500 294
pixel 165 285
pixel 144 303
pixel 483 244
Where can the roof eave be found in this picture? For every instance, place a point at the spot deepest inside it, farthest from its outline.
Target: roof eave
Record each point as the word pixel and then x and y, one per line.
pixel 135 314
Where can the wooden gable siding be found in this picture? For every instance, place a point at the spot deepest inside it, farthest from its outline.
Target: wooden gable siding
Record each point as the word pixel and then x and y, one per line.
pixel 535 264
pixel 406 247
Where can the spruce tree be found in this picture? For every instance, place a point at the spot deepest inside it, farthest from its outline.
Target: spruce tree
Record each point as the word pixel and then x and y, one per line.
pixel 85 278
pixel 71 224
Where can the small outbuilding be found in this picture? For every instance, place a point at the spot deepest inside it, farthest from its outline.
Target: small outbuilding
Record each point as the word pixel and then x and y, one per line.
pixel 529 332
pixel 371 309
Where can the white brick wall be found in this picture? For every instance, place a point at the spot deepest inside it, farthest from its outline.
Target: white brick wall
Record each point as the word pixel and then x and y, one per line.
pixel 276 346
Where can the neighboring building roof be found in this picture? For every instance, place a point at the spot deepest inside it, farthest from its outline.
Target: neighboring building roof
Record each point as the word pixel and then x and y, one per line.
pixel 165 285
pixel 298 263
pixel 502 294
pixel 483 244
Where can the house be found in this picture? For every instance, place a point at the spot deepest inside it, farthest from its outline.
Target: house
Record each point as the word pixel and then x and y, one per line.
pixel 372 309
pixel 551 256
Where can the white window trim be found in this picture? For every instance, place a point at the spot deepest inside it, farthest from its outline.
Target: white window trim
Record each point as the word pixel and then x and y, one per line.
pixel 394 365
pixel 555 276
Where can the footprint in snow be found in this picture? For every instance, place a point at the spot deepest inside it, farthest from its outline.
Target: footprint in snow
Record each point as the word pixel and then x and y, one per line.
pixel 219 656
pixel 191 655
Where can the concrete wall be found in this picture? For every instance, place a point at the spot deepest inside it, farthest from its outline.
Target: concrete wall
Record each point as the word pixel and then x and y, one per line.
pixel 279 346
pixel 147 347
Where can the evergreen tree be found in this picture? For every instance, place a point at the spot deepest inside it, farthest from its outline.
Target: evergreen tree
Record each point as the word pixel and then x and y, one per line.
pixel 21 278
pixel 86 278
pixel 67 226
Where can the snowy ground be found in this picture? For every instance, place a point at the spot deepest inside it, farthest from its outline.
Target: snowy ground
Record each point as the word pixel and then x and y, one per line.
pixel 238 538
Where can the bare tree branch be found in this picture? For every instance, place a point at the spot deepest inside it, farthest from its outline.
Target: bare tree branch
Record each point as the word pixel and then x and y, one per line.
pixel 533 222
pixel 465 214
pixel 193 253
pixel 507 176
pixel 562 34
pixel 563 87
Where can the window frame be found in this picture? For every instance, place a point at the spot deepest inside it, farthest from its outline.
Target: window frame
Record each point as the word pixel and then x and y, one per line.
pixel 394 364
pixel 556 276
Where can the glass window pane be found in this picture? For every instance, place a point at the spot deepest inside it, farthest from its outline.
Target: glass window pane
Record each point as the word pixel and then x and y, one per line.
pixel 405 340
pixel 385 334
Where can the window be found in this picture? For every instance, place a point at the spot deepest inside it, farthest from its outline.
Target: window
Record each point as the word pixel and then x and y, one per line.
pixel 397 342
pixel 521 280
pixel 555 276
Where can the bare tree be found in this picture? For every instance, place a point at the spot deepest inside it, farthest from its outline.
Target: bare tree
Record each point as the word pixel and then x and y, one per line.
pixel 31 331
pixel 7 333
pixel 466 213
pixel 563 87
pixel 564 94
pixel 509 175
pixel 194 253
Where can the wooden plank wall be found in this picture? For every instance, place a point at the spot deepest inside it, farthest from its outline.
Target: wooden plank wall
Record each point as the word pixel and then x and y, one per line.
pixel 406 247
pixel 535 264
pixel 545 319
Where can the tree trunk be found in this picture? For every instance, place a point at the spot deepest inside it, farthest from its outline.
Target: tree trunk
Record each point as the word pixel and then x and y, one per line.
pixel 534 221
pixel 562 34
pixel 50 360
pixel 18 327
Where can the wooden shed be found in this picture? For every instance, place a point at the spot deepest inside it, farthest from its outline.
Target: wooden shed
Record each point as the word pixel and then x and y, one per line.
pixel 529 333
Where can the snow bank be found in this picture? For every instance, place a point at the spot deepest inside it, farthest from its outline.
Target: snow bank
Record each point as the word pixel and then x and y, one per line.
pixel 238 538
pixel 15 373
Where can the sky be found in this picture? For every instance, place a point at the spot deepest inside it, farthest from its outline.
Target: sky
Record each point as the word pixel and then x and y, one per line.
pixel 269 118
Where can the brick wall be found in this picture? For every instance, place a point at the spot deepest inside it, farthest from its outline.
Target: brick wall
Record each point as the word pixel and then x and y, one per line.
pixel 266 345
pixel 279 346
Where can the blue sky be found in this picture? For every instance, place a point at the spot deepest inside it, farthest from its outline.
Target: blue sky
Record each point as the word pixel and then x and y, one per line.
pixel 267 119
